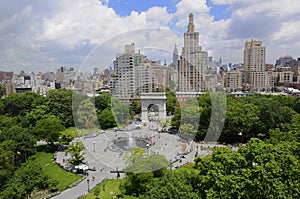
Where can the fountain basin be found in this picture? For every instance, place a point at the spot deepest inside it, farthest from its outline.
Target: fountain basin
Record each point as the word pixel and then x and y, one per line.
pixel 131 143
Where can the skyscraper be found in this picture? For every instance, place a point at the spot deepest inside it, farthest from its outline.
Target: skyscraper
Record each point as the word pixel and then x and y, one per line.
pixel 175 56
pixel 127 65
pixel 256 75
pixel 192 63
pixel 254 58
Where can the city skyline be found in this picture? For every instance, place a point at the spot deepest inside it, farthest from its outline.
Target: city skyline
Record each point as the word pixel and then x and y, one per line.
pixel 42 36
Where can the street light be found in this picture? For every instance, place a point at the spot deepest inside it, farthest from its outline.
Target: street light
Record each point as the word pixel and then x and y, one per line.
pixel 241 134
pixel 118 174
pixel 197 152
pixel 88 184
pixel 94 145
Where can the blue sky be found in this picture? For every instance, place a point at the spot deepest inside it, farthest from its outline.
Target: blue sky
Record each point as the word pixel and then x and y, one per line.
pixel 43 35
pixel 125 7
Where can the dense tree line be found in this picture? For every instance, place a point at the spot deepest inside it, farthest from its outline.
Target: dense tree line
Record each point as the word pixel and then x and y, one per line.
pixel 253 116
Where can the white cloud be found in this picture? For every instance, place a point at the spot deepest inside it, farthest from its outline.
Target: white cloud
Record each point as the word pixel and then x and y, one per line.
pixel 64 32
pixel 94 21
pixel 197 7
pixel 289 31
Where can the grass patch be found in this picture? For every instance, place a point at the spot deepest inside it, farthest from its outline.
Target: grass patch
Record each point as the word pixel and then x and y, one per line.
pixel 111 189
pixel 63 178
pixel 82 132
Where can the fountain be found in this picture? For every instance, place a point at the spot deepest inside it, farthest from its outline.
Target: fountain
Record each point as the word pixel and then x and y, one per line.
pixel 130 143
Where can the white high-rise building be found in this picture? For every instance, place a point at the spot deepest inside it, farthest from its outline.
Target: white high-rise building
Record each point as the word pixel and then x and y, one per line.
pixel 125 85
pixel 136 74
pixel 254 65
pixel 192 63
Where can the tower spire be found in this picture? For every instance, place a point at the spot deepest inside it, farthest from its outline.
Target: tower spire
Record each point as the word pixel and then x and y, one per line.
pixel 191 23
pixel 191 18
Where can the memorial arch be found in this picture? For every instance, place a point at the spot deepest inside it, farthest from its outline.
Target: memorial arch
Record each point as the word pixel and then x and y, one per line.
pixel 153 106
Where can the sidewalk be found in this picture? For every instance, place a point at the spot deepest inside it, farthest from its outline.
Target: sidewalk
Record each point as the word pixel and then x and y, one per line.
pixel 81 188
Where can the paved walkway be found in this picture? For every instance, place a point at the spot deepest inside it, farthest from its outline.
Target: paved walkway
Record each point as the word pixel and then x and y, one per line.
pixel 102 155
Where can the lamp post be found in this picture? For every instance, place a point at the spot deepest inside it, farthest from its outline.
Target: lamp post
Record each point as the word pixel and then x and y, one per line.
pixel 118 174
pixel 197 152
pixel 88 184
pixel 94 143
pixel 241 134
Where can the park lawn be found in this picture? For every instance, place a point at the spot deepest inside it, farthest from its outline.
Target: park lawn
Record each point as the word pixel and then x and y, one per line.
pixel 54 172
pixel 83 132
pixel 111 189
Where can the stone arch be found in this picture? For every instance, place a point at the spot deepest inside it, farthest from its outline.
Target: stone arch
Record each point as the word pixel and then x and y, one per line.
pixel 157 99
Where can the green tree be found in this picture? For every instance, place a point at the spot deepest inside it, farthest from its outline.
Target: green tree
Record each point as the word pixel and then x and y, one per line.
pixel 136 183
pixel 241 120
pixel 190 114
pixel 258 170
pixel 2 90
pixel 164 123
pixel 68 135
pixel 60 105
pixel 130 158
pixel 274 115
pixel 103 101
pixel 7 161
pixel 27 178
pixel 187 131
pixel 106 119
pixel 135 107
pixel 24 142
pixel 140 173
pixel 120 111
pixel 86 115
pixel 276 136
pixel 297 105
pixel 7 122
pixel 175 184
pixel 18 104
pixel 49 129
pixel 2 107
pixel 175 121
pixel 283 100
pixel 76 151
pixel 36 114
pixel 274 170
pixel 171 102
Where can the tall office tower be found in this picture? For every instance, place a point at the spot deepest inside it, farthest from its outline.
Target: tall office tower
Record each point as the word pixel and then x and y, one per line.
pixel 175 56
pixel 254 59
pixel 192 63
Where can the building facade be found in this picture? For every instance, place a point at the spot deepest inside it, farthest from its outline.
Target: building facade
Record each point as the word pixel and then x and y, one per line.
pixel 232 80
pixel 254 64
pixel 192 63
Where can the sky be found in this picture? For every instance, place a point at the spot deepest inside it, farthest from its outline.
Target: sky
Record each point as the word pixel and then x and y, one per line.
pixel 44 35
